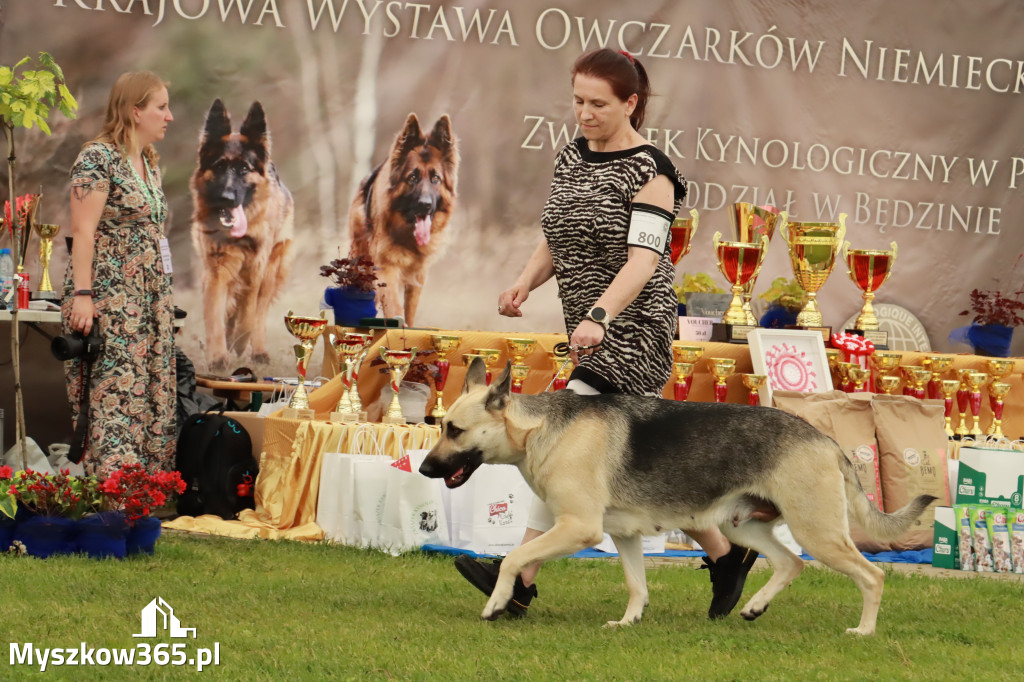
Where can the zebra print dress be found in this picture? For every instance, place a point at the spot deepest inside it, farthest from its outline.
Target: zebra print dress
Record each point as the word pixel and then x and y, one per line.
pixel 585 223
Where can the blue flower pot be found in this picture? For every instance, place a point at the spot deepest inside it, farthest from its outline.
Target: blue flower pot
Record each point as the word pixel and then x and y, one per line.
pixel 777 317
pixel 350 305
pixel 103 535
pixel 44 536
pixel 992 340
pixel 142 535
pixel 6 532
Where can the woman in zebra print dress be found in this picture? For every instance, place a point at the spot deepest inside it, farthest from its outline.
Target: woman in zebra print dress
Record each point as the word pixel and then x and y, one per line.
pixel 606 242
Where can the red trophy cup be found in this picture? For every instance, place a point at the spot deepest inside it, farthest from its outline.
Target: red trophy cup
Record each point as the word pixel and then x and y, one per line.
pixel 721 368
pixel 518 349
pixel 754 382
pixel 563 368
pixel 444 344
pixel 348 347
pixel 749 224
pixel 975 380
pixel 683 230
pixel 739 262
pixel 683 377
pixel 949 387
pixel 939 365
pixel 869 270
pixel 963 396
pixel 997 391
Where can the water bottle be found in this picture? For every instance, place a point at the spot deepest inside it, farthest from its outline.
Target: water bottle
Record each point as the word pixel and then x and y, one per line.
pixel 6 273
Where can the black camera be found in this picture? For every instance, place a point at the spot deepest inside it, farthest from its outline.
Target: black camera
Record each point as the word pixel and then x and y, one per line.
pixel 77 345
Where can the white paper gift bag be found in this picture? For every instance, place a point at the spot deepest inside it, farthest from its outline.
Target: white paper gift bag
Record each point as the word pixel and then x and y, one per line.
pixel 335 506
pixel 414 513
pixel 489 512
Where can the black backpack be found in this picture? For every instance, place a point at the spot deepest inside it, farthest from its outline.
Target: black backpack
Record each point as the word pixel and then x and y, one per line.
pixel 215 460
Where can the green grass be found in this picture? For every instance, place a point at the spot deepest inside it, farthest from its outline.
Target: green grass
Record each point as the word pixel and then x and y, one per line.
pixel 297 611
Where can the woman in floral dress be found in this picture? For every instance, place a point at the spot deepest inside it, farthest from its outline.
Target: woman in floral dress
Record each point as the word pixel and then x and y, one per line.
pixel 117 276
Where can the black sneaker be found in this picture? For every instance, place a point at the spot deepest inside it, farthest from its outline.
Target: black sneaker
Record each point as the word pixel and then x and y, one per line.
pixel 484 576
pixel 728 574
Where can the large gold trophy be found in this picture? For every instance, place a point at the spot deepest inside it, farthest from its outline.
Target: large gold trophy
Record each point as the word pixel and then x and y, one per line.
pixel 749 224
pixel 444 345
pixel 357 363
pixel 812 253
pixel 46 232
pixel 307 330
pixel 398 362
pixel 739 263
pixel 683 230
pixel 869 270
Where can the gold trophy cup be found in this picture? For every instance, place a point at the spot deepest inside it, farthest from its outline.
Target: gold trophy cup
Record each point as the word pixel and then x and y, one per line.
pixel 721 368
pixel 997 391
pixel 518 349
pixel 444 345
pixel 963 398
pixel 918 376
pixel 949 387
pixel 357 363
pixel 348 347
pixel 739 263
pixel 307 330
pixel 490 356
pixel 682 374
pixel 883 364
pixel 682 230
pixel 939 365
pixel 999 368
pixel 754 382
pixel 398 362
pixel 749 224
pixel 858 376
pixel 889 383
pixel 869 270
pixel 689 355
pixel 562 370
pixel 812 253
pixel 975 382
pixel 46 232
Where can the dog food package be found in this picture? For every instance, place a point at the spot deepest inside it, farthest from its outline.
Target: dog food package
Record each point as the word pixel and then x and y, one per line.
pixel 1017 539
pixel 965 536
pixel 912 444
pixel 999 536
pixel 980 539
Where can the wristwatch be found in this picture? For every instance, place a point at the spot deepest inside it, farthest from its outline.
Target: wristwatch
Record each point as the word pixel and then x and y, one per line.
pixel 599 315
pixel 83 292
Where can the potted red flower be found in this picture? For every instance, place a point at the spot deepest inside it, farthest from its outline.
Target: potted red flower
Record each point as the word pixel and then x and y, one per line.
pixel 996 315
pixel 53 505
pixel 353 295
pixel 136 493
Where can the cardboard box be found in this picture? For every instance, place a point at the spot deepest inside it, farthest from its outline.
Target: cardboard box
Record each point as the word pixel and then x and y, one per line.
pixel 946 548
pixel 990 477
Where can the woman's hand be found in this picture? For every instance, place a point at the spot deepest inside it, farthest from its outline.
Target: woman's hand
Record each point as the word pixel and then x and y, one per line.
pixel 588 333
pixel 83 310
pixel 510 300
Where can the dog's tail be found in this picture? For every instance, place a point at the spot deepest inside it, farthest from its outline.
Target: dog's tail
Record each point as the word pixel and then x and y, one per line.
pixel 877 524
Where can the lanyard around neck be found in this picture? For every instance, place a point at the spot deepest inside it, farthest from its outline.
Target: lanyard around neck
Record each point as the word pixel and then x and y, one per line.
pixel 157 207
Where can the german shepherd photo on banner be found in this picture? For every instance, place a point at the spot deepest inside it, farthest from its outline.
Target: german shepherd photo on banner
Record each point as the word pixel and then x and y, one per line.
pixel 242 226
pixel 399 215
pixel 631 466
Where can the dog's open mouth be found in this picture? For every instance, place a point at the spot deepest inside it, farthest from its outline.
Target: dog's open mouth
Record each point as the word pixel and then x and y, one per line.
pixel 421 229
pixel 234 219
pixel 461 475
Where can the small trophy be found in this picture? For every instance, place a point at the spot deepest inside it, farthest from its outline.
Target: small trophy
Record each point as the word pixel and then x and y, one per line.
pixel 949 388
pixel 858 376
pixel 916 377
pixel 869 270
pixel 398 362
pixel 46 234
pixel 683 230
pixel 721 368
pixel 688 355
pixel 518 349
pixel 739 263
pixel 812 253
pixel 963 397
pixel 749 224
pixel 348 347
pixel 562 367
pixel 889 383
pixel 997 391
pixel 490 356
pixel 975 381
pixel 353 390
pixel 682 374
pixel 999 368
pixel 754 382
pixel 939 365
pixel 444 344
pixel 307 330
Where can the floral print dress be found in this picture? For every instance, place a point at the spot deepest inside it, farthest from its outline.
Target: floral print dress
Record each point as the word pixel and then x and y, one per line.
pixel 132 395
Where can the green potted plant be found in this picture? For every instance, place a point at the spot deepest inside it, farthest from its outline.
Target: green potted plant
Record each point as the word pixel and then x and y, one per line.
pixel 785 300
pixel 26 100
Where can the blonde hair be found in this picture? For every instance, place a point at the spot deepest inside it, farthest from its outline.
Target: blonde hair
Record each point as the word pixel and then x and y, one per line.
pixel 132 89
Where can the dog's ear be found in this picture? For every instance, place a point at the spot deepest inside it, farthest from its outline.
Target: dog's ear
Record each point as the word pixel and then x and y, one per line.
pixel 254 129
pixel 476 375
pixel 407 140
pixel 497 396
pixel 211 138
pixel 442 138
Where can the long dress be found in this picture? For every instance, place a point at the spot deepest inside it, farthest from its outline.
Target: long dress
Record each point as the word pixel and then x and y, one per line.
pixel 585 222
pixel 132 395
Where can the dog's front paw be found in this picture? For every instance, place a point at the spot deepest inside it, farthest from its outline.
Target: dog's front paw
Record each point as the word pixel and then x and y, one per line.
pixel 492 611
pixel 860 632
pixel 750 613
pixel 625 622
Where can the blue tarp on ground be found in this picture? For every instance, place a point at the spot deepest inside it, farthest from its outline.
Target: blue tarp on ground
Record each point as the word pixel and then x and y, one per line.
pixel 923 556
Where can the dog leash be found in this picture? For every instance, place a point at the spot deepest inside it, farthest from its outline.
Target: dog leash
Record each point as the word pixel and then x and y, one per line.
pixel 562 350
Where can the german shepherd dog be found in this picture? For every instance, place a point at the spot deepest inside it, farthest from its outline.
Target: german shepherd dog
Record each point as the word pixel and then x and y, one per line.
pixel 399 215
pixel 242 226
pixel 633 466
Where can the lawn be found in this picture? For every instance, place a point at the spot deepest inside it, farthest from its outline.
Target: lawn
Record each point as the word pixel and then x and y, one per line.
pixel 298 611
